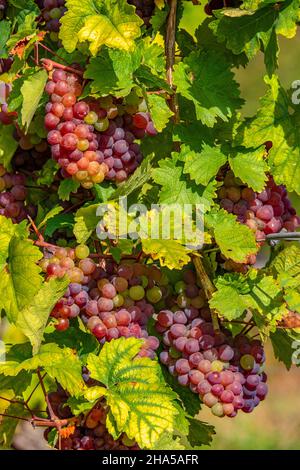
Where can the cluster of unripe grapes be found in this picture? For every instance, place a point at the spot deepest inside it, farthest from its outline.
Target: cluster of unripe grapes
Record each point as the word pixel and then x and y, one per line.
pixel 113 300
pixel 144 9
pixel 52 11
pixel 13 195
pixel 269 211
pixel 90 432
pixel 226 372
pixel 92 141
pixel 6 117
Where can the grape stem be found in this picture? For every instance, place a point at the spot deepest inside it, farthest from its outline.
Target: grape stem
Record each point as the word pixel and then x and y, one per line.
pixel 170 57
pixel 208 288
pixel 40 242
pixel 49 65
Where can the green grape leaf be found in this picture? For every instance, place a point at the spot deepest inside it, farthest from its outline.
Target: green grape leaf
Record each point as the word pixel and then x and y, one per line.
pixel 208 82
pixel 47 174
pixel 80 405
pixel 32 319
pixel 202 166
pixel 86 221
pixel 135 182
pixel 8 145
pixel 286 346
pixel 200 433
pixel 287 266
pixel 4 35
pixel 169 442
pixel 112 72
pixel 236 241
pixel 73 338
pixel 7 230
pixel 17 384
pixel 103 191
pixel 20 278
pixel 100 22
pixel 150 79
pixel 194 135
pixel 62 365
pixel 256 291
pixel 66 187
pixel 159 110
pixel 250 167
pixel 245 33
pixel 189 400
pixel 141 405
pixel 32 90
pixel 114 364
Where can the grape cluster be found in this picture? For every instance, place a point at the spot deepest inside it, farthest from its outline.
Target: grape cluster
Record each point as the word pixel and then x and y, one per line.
pixel 266 212
pixel 6 117
pixel 90 432
pixel 73 141
pixel 13 195
pixel 113 300
pixel 52 11
pixel 226 372
pixel 144 9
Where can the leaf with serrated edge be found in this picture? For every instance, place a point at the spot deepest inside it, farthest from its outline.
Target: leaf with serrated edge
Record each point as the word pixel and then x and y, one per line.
pixel 141 405
pixel 251 168
pixel 66 187
pixel 159 110
pixel 206 79
pixel 202 166
pixel 20 278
